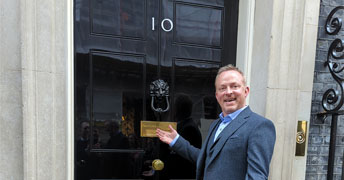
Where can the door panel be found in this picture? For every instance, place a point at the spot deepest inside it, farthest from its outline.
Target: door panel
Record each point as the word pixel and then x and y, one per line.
pixel 121 47
pixel 198 25
pixel 118 18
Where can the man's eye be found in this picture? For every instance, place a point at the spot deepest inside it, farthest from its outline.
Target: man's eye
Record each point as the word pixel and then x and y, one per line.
pixel 235 87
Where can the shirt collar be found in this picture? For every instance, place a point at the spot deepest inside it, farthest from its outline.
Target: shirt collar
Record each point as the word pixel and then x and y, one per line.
pixel 231 116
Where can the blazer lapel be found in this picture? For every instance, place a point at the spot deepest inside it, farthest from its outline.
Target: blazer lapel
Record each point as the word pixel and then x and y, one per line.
pixel 202 155
pixel 228 132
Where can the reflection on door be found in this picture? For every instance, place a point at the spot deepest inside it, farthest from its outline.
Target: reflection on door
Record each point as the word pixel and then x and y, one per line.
pixel 121 47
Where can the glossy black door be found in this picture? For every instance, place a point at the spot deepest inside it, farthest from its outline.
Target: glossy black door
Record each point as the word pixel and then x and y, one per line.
pixel 121 46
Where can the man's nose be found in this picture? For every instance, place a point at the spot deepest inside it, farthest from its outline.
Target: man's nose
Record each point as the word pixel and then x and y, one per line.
pixel 228 90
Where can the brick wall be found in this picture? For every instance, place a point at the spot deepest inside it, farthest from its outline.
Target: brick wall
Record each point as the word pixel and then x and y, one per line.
pixel 319 130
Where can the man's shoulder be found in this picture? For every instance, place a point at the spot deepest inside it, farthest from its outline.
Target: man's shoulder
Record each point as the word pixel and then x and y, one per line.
pixel 257 118
pixel 258 123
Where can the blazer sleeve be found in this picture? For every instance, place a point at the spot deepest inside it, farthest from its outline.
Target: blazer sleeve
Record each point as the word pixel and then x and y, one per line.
pixel 186 150
pixel 260 148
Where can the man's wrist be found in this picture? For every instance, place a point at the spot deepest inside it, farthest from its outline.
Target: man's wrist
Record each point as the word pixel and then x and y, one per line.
pixel 174 141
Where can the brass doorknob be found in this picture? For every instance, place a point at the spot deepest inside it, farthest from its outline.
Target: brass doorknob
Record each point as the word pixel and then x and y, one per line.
pixel 157 165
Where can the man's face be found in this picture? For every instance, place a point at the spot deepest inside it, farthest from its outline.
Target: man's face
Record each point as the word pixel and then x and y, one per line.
pixel 85 129
pixel 231 92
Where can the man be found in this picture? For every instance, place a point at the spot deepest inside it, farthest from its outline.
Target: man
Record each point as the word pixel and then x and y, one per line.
pixel 239 144
pixel 82 154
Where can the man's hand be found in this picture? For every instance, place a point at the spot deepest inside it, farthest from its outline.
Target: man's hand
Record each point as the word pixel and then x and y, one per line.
pixel 166 137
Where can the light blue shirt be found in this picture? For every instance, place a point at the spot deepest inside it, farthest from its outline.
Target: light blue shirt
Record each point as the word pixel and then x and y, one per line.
pixel 174 140
pixel 225 121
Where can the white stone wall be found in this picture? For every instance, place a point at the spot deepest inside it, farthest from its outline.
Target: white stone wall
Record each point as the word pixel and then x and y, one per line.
pixel 11 123
pixel 34 51
pixel 44 30
pixel 282 75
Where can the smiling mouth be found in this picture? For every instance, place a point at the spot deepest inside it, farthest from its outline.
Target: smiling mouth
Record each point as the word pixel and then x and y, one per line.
pixel 229 100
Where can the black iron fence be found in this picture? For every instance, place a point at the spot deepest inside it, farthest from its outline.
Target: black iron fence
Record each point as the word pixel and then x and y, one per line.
pixel 333 99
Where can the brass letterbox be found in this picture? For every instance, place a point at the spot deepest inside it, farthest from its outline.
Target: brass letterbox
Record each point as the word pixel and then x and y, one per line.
pixel 148 128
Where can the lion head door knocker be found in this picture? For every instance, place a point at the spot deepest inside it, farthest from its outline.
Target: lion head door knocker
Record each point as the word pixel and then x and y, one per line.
pixel 159 90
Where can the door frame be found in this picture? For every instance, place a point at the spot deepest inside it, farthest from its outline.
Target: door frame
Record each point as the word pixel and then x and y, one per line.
pixel 244 59
pixel 70 91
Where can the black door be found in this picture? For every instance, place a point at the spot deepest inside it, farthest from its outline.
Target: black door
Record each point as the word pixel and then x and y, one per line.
pixel 121 47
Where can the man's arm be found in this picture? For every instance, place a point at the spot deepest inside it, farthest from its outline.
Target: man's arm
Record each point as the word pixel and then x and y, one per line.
pixel 260 148
pixel 186 150
pixel 178 144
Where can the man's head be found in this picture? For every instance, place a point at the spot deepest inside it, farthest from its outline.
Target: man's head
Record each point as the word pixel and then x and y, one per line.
pixel 112 126
pixel 85 129
pixel 231 89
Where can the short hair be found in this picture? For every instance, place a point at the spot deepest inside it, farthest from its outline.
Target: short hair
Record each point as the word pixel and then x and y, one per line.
pixel 230 67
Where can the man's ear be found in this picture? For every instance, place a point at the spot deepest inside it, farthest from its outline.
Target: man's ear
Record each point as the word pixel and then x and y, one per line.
pixel 247 90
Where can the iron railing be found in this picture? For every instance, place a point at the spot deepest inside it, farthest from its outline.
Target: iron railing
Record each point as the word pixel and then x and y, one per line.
pixel 333 99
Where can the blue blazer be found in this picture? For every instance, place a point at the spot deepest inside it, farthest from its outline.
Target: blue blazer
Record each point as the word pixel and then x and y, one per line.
pixel 242 151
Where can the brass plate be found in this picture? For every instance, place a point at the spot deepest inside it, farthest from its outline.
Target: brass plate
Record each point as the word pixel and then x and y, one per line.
pixel 301 138
pixel 148 128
